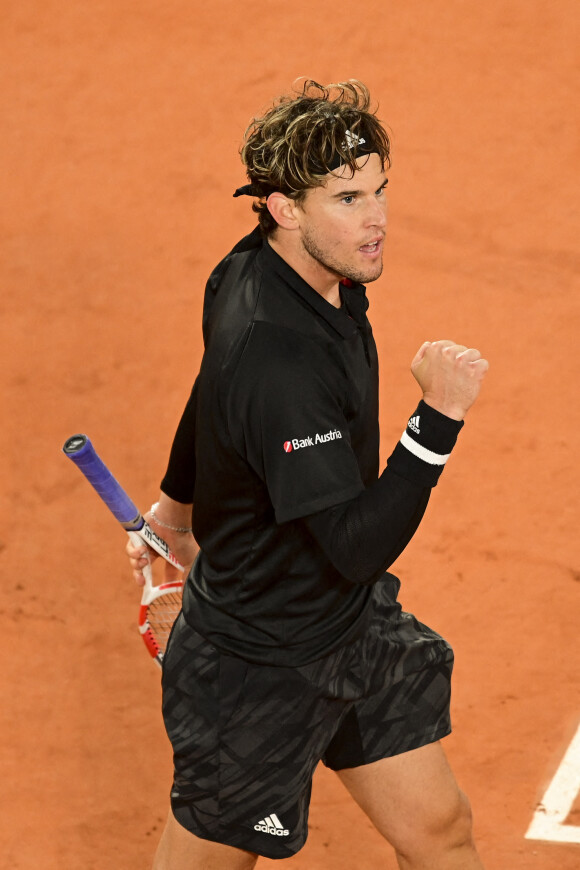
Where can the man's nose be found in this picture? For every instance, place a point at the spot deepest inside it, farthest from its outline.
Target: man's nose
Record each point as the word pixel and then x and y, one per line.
pixel 377 214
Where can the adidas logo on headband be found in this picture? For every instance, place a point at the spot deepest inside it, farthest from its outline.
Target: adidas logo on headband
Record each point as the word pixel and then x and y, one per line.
pixel 351 141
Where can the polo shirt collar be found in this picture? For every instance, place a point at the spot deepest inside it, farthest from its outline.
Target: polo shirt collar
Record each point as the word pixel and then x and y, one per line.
pixel 341 321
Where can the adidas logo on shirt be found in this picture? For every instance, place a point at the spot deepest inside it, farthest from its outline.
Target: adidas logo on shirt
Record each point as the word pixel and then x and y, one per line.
pixel 414 424
pixel 272 825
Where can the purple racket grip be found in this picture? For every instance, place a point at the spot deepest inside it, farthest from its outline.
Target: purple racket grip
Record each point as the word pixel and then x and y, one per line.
pixel 79 449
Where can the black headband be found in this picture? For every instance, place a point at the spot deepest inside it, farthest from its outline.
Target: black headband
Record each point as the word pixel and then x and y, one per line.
pixel 246 190
pixel 356 145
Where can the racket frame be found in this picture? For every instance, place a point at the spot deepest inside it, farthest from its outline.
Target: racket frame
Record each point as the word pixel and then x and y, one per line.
pixel 80 450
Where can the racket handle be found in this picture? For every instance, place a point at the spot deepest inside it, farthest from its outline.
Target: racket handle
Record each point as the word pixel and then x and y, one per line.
pixel 79 449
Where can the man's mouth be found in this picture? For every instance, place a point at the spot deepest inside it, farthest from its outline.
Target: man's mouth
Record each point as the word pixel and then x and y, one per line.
pixel 371 247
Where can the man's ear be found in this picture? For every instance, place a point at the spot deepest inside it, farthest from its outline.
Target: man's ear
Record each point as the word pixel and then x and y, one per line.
pixel 283 210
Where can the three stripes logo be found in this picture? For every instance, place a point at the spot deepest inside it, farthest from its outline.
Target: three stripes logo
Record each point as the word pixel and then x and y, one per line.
pixel 352 141
pixel 272 825
pixel 414 424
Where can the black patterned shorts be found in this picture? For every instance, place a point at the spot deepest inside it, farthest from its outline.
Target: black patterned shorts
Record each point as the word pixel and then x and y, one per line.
pixel 247 738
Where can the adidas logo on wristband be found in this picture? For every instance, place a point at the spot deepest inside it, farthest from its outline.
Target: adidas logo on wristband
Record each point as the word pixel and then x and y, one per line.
pixel 413 424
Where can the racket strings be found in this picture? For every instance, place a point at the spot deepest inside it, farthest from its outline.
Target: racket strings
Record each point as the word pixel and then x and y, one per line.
pixel 161 614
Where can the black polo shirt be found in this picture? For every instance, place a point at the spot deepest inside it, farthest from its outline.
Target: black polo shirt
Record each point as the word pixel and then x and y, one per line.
pixel 282 423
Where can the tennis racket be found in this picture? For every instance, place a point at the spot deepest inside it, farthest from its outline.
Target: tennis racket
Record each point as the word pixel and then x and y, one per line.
pixel 161 604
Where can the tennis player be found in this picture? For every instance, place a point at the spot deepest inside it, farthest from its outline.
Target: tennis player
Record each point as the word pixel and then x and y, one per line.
pixel 291 647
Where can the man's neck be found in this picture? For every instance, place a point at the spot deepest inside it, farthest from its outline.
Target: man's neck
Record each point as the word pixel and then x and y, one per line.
pixel 310 270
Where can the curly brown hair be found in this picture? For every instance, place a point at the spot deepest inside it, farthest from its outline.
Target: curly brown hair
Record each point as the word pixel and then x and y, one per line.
pixel 305 135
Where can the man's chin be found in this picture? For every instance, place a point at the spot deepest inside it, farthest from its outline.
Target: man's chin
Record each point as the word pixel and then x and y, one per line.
pixel 365 276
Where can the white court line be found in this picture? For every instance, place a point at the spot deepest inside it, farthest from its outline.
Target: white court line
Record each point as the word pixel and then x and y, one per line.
pixel 553 809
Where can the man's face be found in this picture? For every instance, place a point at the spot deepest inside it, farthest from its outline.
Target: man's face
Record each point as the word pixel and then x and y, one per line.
pixel 342 224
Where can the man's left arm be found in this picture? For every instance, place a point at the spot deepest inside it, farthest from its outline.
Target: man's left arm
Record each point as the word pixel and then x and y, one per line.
pixel 365 535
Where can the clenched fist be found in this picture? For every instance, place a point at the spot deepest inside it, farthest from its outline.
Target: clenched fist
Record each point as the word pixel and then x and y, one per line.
pixel 450 376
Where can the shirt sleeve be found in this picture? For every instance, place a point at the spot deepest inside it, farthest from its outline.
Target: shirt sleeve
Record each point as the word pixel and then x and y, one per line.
pixel 179 480
pixel 287 420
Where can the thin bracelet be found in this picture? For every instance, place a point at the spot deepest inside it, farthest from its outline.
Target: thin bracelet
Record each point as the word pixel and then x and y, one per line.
pixel 166 525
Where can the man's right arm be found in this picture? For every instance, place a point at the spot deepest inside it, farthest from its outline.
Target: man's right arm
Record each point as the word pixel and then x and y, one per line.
pixel 173 514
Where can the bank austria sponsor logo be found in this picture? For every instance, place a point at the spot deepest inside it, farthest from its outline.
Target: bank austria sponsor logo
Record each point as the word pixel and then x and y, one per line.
pixel 311 440
pixel 272 825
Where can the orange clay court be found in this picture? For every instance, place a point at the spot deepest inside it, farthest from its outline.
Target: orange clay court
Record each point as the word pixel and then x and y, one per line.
pixel 121 124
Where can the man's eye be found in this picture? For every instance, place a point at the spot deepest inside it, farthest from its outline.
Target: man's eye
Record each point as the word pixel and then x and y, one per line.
pixel 348 200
